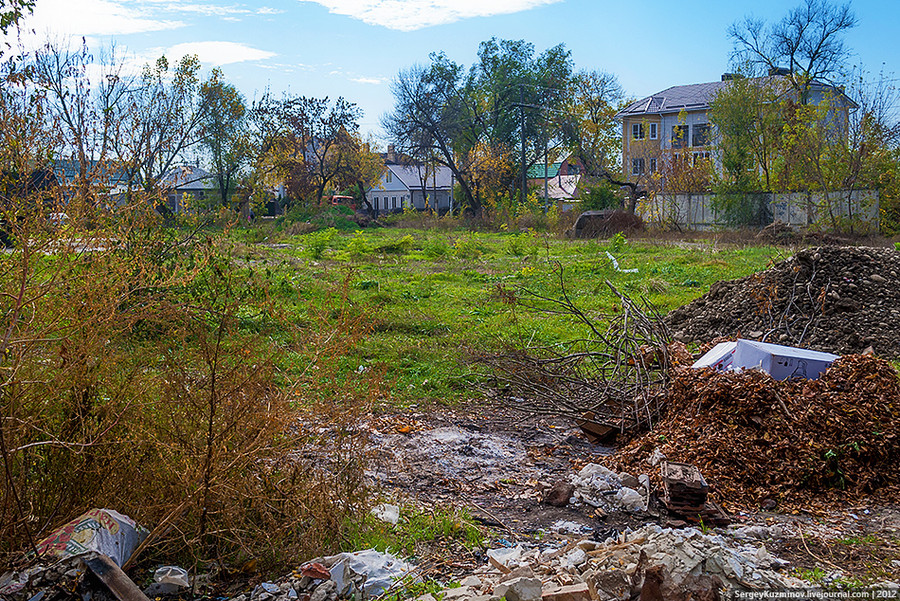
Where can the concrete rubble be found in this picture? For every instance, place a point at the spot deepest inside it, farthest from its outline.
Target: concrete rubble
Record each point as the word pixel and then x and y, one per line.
pixel 601 488
pixel 619 568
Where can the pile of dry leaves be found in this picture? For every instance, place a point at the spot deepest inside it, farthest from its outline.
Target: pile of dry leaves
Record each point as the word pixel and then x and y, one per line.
pixel 756 438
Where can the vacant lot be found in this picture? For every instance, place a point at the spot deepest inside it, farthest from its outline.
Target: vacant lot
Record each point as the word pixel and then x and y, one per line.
pixel 434 294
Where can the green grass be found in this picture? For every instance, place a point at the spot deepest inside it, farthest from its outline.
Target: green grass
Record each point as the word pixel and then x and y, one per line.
pixel 433 295
pixel 438 525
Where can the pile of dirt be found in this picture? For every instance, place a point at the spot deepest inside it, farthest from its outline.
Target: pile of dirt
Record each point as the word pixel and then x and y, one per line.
pixel 836 299
pixel 759 439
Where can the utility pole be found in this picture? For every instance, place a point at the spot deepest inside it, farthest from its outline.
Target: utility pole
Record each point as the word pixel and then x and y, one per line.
pixel 546 160
pixel 522 134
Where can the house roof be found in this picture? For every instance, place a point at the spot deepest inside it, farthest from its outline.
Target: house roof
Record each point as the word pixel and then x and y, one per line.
pixel 411 175
pixel 188 177
pixel 537 171
pixel 696 96
pixel 675 99
pixel 562 187
pixel 66 171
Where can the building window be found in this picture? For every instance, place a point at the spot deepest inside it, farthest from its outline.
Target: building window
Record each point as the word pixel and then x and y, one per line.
pixel 375 200
pixel 637 166
pixel 387 176
pixel 699 157
pixel 653 131
pixel 701 135
pixel 652 165
pixel 680 136
pixel 393 202
pixel 637 131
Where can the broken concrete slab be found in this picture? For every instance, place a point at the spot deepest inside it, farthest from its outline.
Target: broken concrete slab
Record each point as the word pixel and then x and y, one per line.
pixel 574 592
pixel 523 589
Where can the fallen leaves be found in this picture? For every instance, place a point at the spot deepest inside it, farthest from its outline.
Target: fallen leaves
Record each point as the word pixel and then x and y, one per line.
pixel 757 438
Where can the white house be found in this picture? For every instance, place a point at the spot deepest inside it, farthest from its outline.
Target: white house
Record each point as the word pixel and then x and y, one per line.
pixel 187 179
pixel 415 186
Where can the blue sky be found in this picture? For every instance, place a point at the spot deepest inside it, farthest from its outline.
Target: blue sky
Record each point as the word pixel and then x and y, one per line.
pixel 353 48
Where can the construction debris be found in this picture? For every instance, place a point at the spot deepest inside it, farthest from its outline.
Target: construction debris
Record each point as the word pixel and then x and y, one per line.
pixel 685 494
pixel 602 488
pixel 89 576
pixel 620 567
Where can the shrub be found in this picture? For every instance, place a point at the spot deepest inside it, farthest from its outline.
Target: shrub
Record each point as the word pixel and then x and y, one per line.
pixel 599 197
pixel 317 243
pixel 155 377
pixel 468 247
pixel 359 245
pixel 435 247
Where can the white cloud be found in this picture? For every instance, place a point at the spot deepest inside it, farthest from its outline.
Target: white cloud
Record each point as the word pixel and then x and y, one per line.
pixel 91 17
pixel 368 80
pixel 218 53
pixel 212 10
pixel 409 15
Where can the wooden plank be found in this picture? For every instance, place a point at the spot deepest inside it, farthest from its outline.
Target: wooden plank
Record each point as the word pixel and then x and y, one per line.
pixel 114 578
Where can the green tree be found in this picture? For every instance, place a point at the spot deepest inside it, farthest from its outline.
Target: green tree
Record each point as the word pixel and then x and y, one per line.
pixel 596 135
pixel 435 119
pixel 223 131
pixel 749 117
pixel 306 142
pixel 600 196
pixel 511 100
pixel 364 169
pixel 10 13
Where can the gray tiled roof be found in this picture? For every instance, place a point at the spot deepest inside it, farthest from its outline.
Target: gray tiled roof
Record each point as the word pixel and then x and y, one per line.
pixel 188 177
pixel 675 99
pixel 698 96
pixel 411 176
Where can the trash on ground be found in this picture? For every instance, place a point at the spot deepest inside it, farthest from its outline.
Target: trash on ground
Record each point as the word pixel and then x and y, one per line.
pixel 171 575
pixel 616 264
pixel 780 362
pixel 102 530
pixel 387 513
pixel 380 569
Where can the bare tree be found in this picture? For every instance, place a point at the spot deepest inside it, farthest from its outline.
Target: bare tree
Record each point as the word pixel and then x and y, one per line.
pixel 84 94
pixel 159 120
pixel 808 41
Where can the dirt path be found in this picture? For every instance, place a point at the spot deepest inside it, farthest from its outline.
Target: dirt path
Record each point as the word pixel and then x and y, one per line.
pixel 496 463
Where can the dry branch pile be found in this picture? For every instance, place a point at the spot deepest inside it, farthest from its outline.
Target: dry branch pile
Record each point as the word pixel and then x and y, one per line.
pixel 757 438
pixel 616 374
pixel 835 299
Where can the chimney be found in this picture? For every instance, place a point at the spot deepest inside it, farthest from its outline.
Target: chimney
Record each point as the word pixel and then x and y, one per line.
pixel 390 154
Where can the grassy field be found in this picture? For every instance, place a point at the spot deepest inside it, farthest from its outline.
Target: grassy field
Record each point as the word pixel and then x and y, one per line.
pixel 434 295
